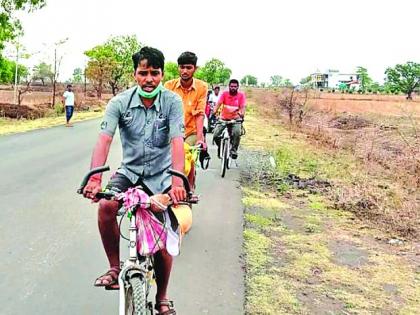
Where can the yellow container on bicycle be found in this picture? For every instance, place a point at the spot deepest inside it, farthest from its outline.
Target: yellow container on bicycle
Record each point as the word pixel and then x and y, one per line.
pixel 190 158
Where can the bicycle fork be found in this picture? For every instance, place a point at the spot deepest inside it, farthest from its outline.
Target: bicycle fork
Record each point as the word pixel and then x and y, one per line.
pixel 130 263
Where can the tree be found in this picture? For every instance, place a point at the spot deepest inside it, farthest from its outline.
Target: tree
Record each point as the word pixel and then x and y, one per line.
pixel 365 80
pixel 121 49
pixel 276 80
pixel 171 71
pixel 306 80
pixel 10 26
pixel 77 76
pixel 43 72
pixel 99 67
pixel 8 70
pixel 249 80
pixel 287 83
pixel 404 77
pixel 214 72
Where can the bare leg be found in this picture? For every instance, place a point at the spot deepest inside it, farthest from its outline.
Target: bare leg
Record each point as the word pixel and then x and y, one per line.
pixel 163 267
pixel 108 228
pixel 191 176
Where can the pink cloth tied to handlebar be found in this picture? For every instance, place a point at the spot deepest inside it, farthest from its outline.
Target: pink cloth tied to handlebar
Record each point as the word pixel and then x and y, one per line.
pixel 151 233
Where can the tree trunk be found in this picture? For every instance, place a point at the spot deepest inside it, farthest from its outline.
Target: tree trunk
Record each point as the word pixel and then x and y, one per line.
pixel 409 97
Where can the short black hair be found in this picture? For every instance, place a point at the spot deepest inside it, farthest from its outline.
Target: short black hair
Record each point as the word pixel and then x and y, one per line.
pixel 69 85
pixel 187 58
pixel 216 88
pixel 153 56
pixel 234 81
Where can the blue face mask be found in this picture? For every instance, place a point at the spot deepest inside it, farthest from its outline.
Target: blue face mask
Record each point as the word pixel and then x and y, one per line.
pixel 149 94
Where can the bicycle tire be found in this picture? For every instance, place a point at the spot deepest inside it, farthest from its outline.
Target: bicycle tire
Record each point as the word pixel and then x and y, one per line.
pixel 136 300
pixel 228 158
pixel 225 154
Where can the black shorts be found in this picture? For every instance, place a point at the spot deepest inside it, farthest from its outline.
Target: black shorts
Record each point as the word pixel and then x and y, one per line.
pixel 120 183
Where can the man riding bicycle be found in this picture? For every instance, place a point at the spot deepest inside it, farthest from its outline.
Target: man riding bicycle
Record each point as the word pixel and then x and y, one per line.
pixel 194 94
pixel 233 108
pixel 151 126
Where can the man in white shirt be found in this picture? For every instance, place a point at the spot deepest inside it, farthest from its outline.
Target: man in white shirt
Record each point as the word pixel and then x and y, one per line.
pixel 68 101
pixel 214 97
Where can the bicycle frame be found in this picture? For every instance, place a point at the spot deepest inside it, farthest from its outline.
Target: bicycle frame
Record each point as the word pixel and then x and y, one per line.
pixel 135 265
pixel 225 140
pixel 132 265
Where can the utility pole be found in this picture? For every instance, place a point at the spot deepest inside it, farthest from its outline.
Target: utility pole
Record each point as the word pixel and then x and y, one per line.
pixel 55 68
pixel 55 75
pixel 84 76
pixel 16 72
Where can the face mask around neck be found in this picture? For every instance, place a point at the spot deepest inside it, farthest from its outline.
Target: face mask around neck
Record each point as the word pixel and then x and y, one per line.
pixel 149 94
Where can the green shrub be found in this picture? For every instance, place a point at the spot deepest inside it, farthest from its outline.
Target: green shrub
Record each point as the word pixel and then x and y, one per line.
pixel 59 109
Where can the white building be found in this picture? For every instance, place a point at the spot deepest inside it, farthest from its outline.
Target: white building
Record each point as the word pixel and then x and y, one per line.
pixel 332 79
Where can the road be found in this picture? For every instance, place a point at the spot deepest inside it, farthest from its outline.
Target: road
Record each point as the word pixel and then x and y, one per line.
pixel 50 248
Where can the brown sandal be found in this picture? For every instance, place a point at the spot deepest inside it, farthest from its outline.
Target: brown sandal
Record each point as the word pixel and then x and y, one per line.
pixel 167 303
pixel 109 280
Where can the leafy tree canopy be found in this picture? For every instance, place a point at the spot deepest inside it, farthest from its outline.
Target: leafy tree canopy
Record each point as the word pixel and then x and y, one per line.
pixel 171 71
pixel 404 77
pixel 213 72
pixel 249 80
pixel 10 26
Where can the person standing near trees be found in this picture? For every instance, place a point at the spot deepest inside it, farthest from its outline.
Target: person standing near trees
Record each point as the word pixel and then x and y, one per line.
pixel 68 101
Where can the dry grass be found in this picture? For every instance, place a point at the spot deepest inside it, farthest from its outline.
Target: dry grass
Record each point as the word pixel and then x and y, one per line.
pixel 383 154
pixel 10 126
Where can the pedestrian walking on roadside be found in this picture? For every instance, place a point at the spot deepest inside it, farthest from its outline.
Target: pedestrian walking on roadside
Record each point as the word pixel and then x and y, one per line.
pixel 68 101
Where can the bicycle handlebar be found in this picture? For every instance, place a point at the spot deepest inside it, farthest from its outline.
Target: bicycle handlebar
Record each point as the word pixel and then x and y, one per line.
pixel 93 171
pixel 232 121
pixel 110 194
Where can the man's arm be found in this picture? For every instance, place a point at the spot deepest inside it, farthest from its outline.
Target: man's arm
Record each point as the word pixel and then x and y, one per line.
pixel 178 192
pixel 199 121
pixel 176 132
pixel 199 112
pixel 99 157
pixel 242 106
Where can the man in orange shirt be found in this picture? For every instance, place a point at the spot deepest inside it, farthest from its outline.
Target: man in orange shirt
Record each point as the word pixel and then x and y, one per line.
pixel 194 96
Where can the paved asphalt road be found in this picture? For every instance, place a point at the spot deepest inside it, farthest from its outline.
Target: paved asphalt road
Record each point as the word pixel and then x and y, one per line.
pixel 50 249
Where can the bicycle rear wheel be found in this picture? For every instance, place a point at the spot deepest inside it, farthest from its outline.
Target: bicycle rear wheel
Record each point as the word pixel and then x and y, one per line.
pixel 225 157
pixel 136 299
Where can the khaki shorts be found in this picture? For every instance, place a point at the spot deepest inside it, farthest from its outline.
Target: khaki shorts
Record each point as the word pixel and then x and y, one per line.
pixel 191 139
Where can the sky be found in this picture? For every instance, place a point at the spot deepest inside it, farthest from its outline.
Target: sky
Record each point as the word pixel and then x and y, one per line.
pixel 262 38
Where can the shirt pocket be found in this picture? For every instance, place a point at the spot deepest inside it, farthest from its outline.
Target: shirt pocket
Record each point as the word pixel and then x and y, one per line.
pixel 160 133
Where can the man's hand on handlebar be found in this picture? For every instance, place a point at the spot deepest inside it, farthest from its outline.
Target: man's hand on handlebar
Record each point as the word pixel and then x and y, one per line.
pixel 202 144
pixel 177 194
pixel 92 188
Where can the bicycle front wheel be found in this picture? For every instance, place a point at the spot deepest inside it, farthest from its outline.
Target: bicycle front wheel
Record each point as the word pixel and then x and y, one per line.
pixel 225 157
pixel 136 303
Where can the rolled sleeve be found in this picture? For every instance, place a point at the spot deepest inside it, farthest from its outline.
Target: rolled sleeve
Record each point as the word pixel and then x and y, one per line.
pixel 111 118
pixel 176 118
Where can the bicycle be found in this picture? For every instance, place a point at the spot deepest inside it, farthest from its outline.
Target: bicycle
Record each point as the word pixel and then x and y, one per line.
pixel 136 273
pixel 225 144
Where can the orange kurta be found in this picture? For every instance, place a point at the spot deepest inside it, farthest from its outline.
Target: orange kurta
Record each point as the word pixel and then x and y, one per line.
pixel 193 100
